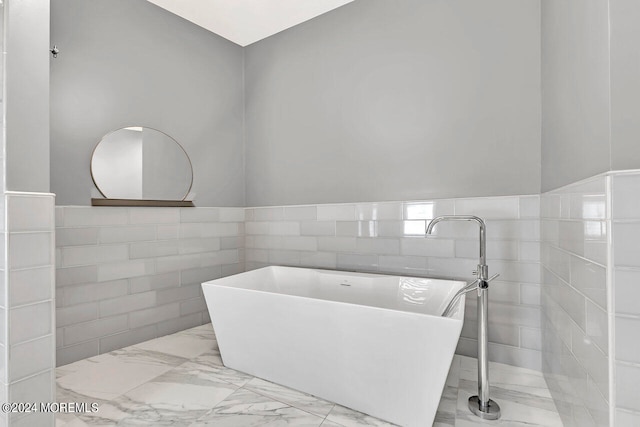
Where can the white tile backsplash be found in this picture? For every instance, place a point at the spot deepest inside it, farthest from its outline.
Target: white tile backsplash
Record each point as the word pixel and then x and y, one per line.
pixel 66 316
pixel 76 236
pixel 77 216
pixel 589 255
pixel 380 246
pixel 168 231
pixel 159 281
pixel 587 206
pixel 198 245
pixel 337 244
pixel 299 243
pixel 499 249
pixel 231 214
pixel 154 315
pixel 257 228
pixel 153 249
pixel 626 203
pixel 113 234
pixel 379 211
pixel 529 251
pixel 126 304
pixel 119 269
pixel 283 228
pixel 389 237
pixel 86 331
pixel 154 215
pixel 78 294
pixel 529 206
pixel 76 275
pixel 86 255
pixel 267 214
pixel 29 322
pixel 29 212
pixel 627 418
pixel 627 350
pixel 37 388
pixel 219 229
pixel 428 247
pixel 625 244
pixel 336 212
pixel 489 207
pixel 32 249
pixel 27 340
pixel 31 357
pixel 358 262
pixel 30 285
pixel 125 269
pixel 627 291
pixel 627 380
pixel 300 213
pixel 428 209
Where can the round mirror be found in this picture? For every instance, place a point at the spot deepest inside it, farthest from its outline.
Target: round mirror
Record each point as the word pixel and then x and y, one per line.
pixel 141 163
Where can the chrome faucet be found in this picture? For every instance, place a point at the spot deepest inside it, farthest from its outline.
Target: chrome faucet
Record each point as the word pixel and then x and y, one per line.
pixel 483 270
pixel 481 405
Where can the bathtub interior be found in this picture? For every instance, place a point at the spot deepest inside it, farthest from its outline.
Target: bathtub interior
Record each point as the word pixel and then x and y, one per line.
pixel 409 294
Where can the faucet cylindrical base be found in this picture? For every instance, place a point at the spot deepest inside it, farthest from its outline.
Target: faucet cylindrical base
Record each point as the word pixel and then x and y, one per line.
pixel 486 412
pixel 481 405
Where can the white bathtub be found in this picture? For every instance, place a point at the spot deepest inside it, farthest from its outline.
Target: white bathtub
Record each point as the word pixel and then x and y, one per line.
pixel 373 343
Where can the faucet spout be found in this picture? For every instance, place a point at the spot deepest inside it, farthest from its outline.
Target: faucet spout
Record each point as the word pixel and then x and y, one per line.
pixel 482 273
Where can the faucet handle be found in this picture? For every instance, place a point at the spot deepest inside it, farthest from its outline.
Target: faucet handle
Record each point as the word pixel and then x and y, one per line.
pixel 492 277
pixel 482 270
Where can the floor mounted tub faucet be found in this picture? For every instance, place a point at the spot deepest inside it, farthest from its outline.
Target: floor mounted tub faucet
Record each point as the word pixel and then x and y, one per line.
pixel 481 405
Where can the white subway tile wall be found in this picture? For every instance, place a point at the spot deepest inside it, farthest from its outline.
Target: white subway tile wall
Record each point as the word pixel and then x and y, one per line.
pixel 625 202
pixel 575 320
pixel 126 275
pixel 390 238
pixel 4 299
pixel 27 305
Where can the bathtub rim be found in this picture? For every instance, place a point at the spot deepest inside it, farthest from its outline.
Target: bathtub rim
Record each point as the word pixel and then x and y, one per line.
pixel 457 315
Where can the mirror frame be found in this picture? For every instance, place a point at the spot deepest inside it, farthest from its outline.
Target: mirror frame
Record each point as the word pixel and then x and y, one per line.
pixel 106 201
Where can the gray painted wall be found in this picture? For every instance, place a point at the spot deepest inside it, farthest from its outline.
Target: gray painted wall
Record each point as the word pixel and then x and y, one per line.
pixel 625 85
pixel 128 62
pixel 27 95
pixel 381 100
pixel 590 89
pixel 575 91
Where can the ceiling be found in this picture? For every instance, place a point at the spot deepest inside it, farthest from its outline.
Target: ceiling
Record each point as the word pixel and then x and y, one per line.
pixel 247 21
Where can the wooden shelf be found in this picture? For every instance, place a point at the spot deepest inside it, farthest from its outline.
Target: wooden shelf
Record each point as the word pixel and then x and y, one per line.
pixel 141 203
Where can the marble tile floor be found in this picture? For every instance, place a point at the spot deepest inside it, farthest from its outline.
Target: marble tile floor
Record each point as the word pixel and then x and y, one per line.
pixel 179 380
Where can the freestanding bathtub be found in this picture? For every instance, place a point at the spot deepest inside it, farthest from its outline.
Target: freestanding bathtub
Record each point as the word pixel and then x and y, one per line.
pixel 373 343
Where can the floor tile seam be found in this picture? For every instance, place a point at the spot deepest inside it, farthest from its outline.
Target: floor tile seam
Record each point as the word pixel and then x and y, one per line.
pixel 283 402
pixel 83 392
pixel 517 393
pixel 507 368
pixel 262 395
pixel 129 360
pixel 98 400
pixel 236 386
pixel 505 381
pixel 135 387
pixel 136 346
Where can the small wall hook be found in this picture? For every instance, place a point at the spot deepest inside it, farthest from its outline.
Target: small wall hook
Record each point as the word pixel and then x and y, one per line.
pixel 55 51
